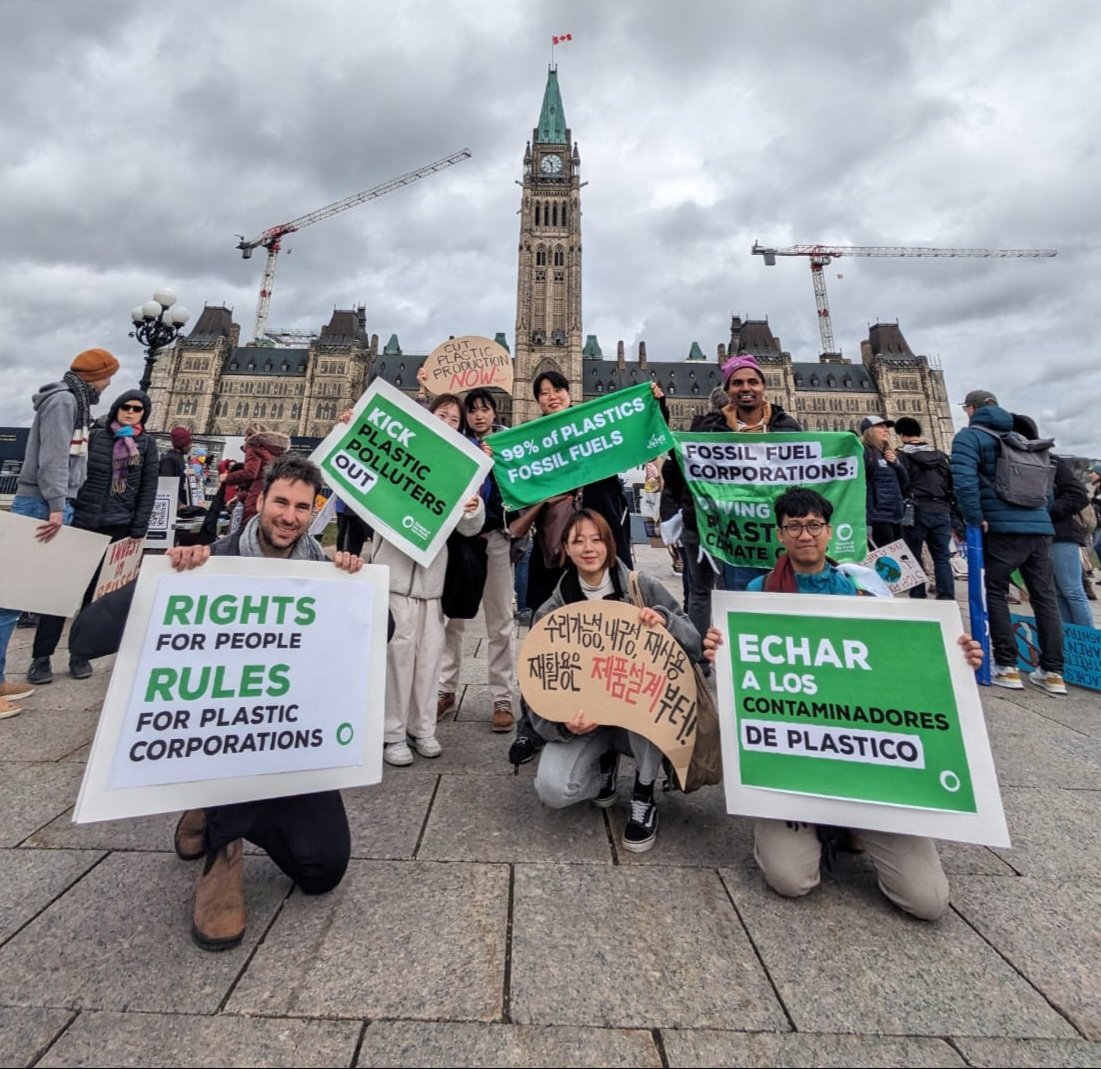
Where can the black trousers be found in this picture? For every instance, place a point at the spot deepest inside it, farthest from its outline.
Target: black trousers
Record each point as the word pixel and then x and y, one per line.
pixel 306 835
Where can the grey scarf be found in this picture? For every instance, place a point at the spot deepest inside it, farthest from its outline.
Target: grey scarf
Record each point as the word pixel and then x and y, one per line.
pixel 306 548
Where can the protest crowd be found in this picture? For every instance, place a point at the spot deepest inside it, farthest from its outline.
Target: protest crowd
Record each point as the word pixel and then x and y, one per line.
pixel 1035 521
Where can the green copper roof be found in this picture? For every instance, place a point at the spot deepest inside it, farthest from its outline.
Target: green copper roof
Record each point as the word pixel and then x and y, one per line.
pixel 393 346
pixel 696 353
pixel 552 118
pixel 502 341
pixel 592 347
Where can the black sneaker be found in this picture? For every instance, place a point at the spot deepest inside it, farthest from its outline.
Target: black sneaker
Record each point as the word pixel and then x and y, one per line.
pixel 609 771
pixel 79 668
pixel 40 671
pixel 642 828
pixel 522 750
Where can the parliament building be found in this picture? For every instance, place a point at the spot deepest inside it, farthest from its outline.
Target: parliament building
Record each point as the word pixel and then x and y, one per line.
pixel 213 385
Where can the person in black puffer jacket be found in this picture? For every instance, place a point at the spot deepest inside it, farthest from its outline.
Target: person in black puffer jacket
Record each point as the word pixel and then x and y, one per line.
pixel 117 497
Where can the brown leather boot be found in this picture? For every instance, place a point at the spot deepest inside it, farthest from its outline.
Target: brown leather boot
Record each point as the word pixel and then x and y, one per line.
pixel 190 838
pixel 219 920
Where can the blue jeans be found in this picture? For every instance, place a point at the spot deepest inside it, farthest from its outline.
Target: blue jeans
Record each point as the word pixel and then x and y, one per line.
pixel 1074 607
pixel 37 509
pixel 935 530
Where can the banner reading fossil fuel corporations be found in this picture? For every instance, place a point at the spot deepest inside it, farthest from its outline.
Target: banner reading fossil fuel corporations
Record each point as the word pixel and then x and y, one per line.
pixel 859 712
pixel 402 470
pixel 560 452
pixel 734 479
pixel 243 679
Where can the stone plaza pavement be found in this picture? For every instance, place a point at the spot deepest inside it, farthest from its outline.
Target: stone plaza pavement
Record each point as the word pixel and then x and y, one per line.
pixel 476 928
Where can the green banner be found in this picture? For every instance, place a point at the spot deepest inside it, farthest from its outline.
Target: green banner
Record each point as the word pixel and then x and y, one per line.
pixel 560 452
pixel 401 470
pixel 835 707
pixel 734 479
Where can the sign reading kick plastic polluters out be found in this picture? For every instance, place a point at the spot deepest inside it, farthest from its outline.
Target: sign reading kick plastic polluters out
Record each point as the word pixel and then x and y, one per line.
pixel 859 712
pixel 402 470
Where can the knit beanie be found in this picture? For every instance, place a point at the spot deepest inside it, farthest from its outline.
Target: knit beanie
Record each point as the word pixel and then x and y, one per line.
pixel 93 364
pixel 735 363
pixel 181 438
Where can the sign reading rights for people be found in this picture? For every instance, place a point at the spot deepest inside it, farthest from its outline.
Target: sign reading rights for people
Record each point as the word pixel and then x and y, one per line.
pixel 858 712
pixel 560 452
pixel 598 657
pixel 462 364
pixel 402 470
pixel 243 679
pixel 734 479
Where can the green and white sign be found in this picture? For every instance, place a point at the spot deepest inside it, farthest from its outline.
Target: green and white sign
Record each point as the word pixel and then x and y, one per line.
pixel 734 479
pixel 402 470
pixel 247 678
pixel 560 452
pixel 858 712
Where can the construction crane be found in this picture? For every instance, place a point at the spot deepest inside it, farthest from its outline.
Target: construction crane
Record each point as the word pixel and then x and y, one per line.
pixel 272 238
pixel 820 255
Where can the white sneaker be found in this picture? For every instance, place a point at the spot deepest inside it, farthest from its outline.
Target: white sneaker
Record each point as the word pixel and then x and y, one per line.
pixel 427 747
pixel 1052 682
pixel 1006 676
pixel 8 709
pixel 397 754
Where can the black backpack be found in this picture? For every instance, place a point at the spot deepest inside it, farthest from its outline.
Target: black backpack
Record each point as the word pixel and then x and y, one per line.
pixel 1025 471
pixel 930 475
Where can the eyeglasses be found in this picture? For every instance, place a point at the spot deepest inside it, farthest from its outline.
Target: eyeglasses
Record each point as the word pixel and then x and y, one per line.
pixel 813 527
pixel 132 408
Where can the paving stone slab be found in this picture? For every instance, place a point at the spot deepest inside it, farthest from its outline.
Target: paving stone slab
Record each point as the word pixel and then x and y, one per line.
pixel 468 747
pixel 386 818
pixel 649 947
pixel 46 733
pixel 1039 1053
pixel 1054 832
pixel 32 794
pixel 25 1033
pixel 139 1040
pixel 1080 716
pixel 1031 751
pixel 500 818
pixel 395 939
pixel 845 960
pixel 971 859
pixel 704 1048
pixel 31 879
pixel 446 1044
pixel 121 939
pixel 1047 929
pixel 153 833
pixel 476 700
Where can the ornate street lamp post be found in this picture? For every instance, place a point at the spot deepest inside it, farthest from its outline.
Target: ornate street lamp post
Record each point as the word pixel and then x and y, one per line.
pixel 157 323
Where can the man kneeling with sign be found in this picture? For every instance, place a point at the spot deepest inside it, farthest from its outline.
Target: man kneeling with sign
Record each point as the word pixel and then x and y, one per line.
pixel 639 676
pixel 306 835
pixel 789 852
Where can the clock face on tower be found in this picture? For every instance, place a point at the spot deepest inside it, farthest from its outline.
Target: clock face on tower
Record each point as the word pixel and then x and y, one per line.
pixel 551 164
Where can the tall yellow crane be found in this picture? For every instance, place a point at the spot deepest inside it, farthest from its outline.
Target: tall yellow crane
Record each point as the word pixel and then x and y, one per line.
pixel 820 255
pixel 272 238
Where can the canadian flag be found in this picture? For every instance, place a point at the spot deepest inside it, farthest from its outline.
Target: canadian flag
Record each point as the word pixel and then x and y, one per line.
pixel 557 39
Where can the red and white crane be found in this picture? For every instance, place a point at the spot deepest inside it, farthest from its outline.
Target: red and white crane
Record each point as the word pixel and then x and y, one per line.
pixel 820 255
pixel 272 238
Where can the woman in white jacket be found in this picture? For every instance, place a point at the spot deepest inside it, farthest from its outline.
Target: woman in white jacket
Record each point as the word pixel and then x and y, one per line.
pixel 415 651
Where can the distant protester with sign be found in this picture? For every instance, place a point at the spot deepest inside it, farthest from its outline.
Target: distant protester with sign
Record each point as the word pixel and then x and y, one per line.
pixel 581 758
pixel 788 852
pixel 306 835
pixel 416 650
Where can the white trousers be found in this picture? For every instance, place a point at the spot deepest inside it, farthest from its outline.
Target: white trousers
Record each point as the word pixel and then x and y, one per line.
pixel 497 607
pixel 412 666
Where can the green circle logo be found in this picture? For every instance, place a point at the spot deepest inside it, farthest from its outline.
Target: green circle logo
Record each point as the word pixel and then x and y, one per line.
pixel 345 733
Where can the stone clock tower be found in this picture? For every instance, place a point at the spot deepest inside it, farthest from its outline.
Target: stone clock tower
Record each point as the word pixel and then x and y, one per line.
pixel 548 284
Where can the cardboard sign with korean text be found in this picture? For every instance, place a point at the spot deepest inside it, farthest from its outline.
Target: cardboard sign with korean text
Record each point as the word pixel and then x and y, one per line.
pixel 245 678
pixel 857 712
pixel 403 471
pixel 467 363
pixel 596 656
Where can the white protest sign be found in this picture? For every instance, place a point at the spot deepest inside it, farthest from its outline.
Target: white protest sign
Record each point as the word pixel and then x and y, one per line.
pixel 896 566
pixel 162 520
pixel 121 564
pixel 325 515
pixel 46 577
pixel 245 679
pixel 856 712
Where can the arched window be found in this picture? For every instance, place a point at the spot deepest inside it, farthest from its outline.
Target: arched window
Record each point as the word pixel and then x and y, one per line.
pixel 563 214
pixel 538 214
pixel 541 257
pixel 559 256
pixel 554 214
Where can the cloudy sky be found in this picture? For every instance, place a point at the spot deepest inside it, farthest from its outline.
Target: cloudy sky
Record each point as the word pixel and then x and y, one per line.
pixel 140 138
